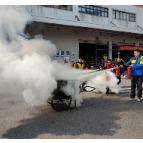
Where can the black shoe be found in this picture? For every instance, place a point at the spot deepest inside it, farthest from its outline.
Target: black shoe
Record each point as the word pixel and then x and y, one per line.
pixel 107 90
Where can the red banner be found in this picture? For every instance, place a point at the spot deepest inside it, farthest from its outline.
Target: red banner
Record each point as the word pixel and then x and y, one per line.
pixel 130 48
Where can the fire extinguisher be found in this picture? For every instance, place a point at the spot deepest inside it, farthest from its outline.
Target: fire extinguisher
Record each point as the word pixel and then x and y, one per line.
pixel 117 72
pixel 128 72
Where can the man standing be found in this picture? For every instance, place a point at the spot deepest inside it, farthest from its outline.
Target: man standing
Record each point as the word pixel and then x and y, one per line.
pixel 104 62
pixel 136 74
pixel 119 64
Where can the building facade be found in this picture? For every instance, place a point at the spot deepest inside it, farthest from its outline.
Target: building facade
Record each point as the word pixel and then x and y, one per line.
pixel 89 30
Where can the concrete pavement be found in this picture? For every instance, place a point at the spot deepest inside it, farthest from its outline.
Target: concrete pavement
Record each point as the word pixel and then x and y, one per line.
pixel 100 116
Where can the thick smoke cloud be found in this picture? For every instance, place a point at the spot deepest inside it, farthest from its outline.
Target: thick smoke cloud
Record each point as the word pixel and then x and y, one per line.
pixel 26 70
pixel 103 81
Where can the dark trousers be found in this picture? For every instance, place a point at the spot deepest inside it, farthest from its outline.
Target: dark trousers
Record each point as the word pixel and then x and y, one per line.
pixel 136 81
pixel 83 86
pixel 119 77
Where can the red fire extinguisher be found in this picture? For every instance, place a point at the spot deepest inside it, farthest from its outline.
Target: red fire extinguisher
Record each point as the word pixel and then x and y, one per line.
pixel 128 72
pixel 117 72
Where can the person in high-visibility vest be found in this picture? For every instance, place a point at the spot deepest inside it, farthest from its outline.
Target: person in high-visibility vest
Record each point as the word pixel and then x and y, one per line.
pixel 79 64
pixel 136 74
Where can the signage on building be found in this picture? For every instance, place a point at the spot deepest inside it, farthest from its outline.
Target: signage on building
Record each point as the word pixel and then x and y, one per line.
pixel 131 48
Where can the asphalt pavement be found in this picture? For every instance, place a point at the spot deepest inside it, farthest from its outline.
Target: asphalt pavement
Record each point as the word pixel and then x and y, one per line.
pixel 110 116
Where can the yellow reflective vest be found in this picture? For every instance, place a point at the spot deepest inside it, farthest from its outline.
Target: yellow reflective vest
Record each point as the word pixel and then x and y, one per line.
pixel 137 68
pixel 79 65
pixel 72 65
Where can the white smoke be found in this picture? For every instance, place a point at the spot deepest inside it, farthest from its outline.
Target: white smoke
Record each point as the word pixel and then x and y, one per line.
pixel 26 70
pixel 72 88
pixel 101 82
pixel 13 20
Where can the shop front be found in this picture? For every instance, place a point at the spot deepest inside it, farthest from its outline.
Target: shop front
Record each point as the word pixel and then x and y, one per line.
pixel 93 53
pixel 127 52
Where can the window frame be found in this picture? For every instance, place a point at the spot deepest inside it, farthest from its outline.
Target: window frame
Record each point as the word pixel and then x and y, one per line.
pixel 94 10
pixel 54 6
pixel 132 16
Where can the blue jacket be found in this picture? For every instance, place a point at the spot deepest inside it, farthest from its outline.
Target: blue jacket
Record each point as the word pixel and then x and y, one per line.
pixel 137 63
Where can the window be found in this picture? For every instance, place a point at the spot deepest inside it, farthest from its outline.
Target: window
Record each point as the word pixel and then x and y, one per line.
pixel 128 17
pixel 123 16
pixel 132 17
pixel 63 7
pixel 114 14
pixel 94 10
pixel 118 15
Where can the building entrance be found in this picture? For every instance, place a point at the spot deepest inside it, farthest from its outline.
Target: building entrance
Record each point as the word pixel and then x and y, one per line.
pixel 92 53
pixel 125 54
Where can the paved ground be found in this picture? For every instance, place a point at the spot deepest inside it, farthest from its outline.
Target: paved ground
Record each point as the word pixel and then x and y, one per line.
pixel 101 116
